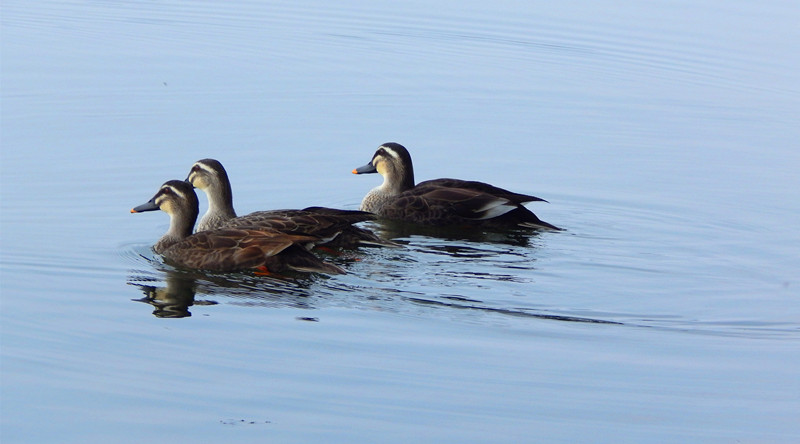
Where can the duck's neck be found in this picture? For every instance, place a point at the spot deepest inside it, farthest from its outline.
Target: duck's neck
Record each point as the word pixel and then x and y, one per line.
pixel 220 207
pixel 394 183
pixel 180 227
pixel 397 179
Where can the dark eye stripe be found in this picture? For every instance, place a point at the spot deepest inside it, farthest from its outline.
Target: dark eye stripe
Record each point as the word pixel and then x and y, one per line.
pixel 168 190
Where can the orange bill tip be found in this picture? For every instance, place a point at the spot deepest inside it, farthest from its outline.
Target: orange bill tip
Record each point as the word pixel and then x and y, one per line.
pixel 354 171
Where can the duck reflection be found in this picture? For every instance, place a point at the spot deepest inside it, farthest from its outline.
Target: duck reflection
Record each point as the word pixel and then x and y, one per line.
pixel 390 229
pixel 465 278
pixel 180 288
pixel 173 300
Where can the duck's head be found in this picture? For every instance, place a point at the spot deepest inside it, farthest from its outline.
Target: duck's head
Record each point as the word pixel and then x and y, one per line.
pixel 176 198
pixel 208 173
pixel 210 176
pixel 393 162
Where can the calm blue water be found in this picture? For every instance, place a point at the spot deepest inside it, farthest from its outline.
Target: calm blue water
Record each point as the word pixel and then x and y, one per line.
pixel 664 135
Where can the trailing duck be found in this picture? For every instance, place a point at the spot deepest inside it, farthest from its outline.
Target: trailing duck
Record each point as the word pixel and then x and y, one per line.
pixel 441 202
pixel 227 249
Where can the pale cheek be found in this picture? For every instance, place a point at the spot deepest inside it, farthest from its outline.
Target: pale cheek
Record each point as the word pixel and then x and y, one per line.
pixel 199 182
pixel 166 206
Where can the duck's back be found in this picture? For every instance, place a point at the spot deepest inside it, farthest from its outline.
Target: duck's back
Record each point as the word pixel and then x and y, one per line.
pixel 478 186
pixel 333 227
pixel 316 221
pixel 235 249
pixel 230 249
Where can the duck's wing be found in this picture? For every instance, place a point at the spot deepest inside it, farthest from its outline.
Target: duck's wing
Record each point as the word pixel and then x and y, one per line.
pixel 297 258
pixel 349 216
pixel 351 236
pixel 324 223
pixel 231 249
pixel 482 187
pixel 434 205
pixel 326 216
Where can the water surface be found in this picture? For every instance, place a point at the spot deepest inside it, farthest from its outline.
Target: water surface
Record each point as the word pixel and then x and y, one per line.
pixel 663 135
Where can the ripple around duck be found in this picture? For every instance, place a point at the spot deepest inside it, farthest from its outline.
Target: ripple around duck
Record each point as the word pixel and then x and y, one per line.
pixel 648 278
pixel 172 290
pixel 493 281
pixel 606 270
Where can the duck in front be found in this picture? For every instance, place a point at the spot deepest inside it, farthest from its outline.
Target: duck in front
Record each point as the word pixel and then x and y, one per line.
pixel 441 202
pixel 227 249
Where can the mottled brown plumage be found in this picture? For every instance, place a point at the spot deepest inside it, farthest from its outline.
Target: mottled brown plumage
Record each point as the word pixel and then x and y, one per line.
pixel 333 226
pixel 240 249
pixel 229 249
pixel 441 202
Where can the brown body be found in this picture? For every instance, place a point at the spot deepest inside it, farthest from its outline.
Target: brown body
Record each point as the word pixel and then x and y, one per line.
pixel 333 226
pixel 442 202
pixel 230 249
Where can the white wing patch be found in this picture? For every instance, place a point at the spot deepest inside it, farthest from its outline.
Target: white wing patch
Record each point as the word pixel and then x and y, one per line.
pixel 494 209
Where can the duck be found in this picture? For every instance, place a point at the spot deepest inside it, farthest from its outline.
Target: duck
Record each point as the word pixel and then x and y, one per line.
pixel 442 202
pixel 227 249
pixel 334 226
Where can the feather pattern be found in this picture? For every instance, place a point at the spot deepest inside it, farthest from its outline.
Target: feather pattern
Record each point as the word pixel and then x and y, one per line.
pixel 441 202
pixel 227 249
pixel 241 249
pixel 333 227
